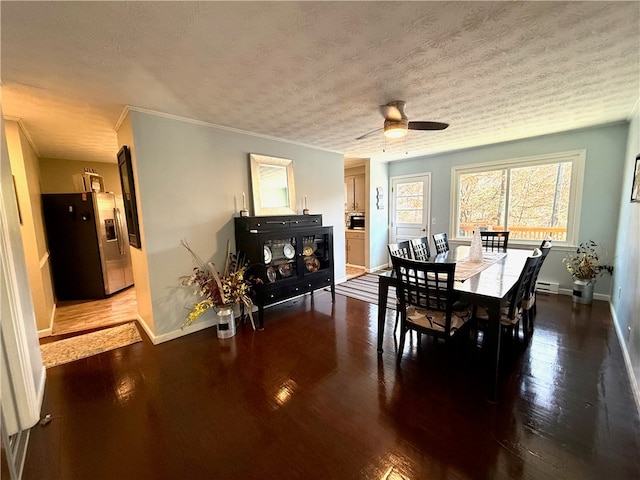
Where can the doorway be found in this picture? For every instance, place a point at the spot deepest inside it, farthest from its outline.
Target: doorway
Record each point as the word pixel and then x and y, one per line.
pixel 410 207
pixel 73 316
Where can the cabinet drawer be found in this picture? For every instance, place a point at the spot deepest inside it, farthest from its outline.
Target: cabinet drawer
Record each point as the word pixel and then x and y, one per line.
pixel 276 223
pixel 355 235
pixel 317 281
pixel 283 292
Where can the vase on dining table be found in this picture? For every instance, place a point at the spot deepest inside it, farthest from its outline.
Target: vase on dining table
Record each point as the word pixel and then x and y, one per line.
pixel 226 321
pixel 475 252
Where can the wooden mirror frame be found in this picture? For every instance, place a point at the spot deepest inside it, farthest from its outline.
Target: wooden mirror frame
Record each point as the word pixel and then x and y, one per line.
pixel 261 207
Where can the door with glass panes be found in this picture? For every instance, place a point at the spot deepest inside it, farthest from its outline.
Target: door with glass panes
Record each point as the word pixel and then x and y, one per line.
pixel 410 207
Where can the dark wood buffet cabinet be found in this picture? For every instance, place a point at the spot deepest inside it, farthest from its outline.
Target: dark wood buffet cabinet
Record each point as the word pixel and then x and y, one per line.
pixel 291 255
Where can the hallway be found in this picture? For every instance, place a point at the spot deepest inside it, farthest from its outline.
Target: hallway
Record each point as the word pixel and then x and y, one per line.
pixel 78 315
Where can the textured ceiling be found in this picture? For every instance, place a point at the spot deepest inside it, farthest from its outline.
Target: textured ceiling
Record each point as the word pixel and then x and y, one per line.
pixel 315 73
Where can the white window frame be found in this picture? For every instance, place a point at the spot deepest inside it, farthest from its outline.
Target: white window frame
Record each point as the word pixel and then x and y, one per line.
pixel 577 159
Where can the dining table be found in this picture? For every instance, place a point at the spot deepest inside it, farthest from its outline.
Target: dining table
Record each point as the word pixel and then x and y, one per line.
pixel 488 285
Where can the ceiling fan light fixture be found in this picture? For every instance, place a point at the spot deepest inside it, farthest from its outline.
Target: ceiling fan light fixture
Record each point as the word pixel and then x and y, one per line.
pixel 395 129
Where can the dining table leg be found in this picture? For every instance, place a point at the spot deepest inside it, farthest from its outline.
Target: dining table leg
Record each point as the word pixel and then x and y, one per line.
pixel 383 293
pixel 494 331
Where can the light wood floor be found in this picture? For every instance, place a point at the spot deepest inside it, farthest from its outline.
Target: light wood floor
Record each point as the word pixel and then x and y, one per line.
pixel 354 271
pixel 78 315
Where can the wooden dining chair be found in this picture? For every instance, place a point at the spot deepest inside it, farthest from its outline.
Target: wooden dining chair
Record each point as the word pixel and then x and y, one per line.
pixel 529 303
pixel 494 241
pixel 512 312
pixel 420 248
pixel 426 297
pixel 441 242
pixel 402 250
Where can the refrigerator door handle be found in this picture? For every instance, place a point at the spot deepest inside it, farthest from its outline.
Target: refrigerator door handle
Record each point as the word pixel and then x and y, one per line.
pixel 118 218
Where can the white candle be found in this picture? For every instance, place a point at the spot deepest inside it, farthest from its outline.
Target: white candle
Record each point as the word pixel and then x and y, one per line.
pixel 244 203
pixel 305 201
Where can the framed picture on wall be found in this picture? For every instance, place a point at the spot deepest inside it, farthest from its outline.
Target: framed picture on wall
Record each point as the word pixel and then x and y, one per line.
pixel 129 195
pixel 635 189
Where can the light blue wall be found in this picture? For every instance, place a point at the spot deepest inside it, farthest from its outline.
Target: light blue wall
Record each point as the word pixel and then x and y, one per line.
pixel 605 147
pixel 378 219
pixel 626 283
pixel 191 179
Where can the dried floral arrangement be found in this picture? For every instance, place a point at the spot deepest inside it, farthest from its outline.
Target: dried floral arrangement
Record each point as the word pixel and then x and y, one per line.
pixel 585 264
pixel 226 289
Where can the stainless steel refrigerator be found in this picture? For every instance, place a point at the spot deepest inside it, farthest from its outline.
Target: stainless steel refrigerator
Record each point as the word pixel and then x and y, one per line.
pixel 88 244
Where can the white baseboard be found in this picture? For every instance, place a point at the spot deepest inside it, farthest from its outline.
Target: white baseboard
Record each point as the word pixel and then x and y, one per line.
pixel 627 358
pixel 165 337
pixel 45 332
pixel 596 296
pixel 378 268
pixel 341 280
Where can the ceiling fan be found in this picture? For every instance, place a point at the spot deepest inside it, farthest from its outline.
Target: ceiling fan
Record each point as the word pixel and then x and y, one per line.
pixel 396 123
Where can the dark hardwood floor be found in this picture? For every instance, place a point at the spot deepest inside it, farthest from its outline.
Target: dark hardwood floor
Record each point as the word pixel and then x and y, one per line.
pixel 309 398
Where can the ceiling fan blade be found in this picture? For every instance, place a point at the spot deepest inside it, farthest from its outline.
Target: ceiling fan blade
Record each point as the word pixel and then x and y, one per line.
pixel 391 112
pixel 369 133
pixel 427 125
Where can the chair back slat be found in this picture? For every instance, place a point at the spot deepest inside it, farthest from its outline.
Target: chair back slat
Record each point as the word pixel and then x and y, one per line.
pixel 523 287
pixel 544 252
pixel 495 241
pixel 426 285
pixel 441 242
pixel 400 249
pixel 420 249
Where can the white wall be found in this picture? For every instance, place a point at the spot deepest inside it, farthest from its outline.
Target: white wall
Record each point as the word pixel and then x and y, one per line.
pixel 605 160
pixel 22 373
pixel 190 178
pixel 626 282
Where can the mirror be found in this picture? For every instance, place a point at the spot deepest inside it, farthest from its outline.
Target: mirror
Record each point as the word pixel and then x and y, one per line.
pixel 273 186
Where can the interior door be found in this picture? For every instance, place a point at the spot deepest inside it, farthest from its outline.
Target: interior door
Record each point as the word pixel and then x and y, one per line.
pixel 410 207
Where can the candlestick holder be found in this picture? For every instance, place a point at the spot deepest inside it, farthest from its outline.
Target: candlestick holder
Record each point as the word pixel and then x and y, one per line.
pixel 305 211
pixel 244 213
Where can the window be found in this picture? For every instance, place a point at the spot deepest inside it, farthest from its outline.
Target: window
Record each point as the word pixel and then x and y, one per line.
pixel 409 202
pixel 532 197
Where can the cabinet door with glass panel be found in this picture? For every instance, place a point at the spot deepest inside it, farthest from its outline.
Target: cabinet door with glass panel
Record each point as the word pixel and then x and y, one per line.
pixel 317 251
pixel 280 258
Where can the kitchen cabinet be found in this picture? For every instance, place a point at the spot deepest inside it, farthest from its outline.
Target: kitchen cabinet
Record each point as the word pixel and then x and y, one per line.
pixel 355 195
pixel 290 255
pixel 355 248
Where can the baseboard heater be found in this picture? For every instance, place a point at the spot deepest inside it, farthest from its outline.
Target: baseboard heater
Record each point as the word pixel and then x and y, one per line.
pixel 547 287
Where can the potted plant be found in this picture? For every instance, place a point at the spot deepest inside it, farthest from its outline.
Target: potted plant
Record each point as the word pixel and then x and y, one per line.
pixel 222 291
pixel 584 267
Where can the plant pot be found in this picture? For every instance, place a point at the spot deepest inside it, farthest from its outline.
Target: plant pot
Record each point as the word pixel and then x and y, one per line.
pixel 583 291
pixel 226 322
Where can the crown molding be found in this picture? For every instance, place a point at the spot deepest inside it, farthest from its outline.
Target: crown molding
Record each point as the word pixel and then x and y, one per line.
pixel 131 108
pixel 18 120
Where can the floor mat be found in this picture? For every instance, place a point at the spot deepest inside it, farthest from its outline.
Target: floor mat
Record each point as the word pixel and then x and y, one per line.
pixel 83 346
pixel 365 288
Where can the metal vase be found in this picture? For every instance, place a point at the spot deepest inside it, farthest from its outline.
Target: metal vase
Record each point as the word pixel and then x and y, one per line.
pixel 583 291
pixel 226 322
